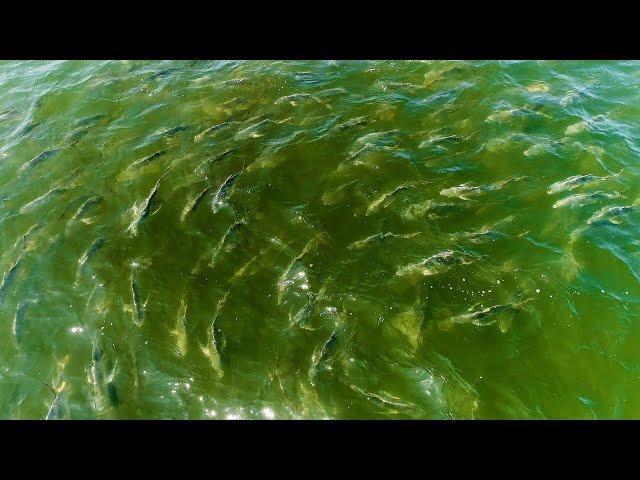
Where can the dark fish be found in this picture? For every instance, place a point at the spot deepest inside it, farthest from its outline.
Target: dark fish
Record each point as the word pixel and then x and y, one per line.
pixel 112 394
pixel 54 192
pixel 146 208
pixel 216 158
pixel 91 251
pixel 148 158
pixel 28 128
pixel 162 73
pixel 224 190
pixel 210 130
pixel 193 204
pixel 76 135
pixel 86 206
pixel 47 154
pixel 89 120
pixel 174 130
pixel 139 311
pixel 8 280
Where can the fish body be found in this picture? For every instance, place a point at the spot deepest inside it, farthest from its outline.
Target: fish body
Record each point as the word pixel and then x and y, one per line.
pixel 385 199
pixel 53 193
pixel 40 158
pixel 138 311
pixel 215 159
pixel 224 190
pixel 194 202
pixel 149 158
pixel 377 239
pixel 576 181
pixel 199 137
pixel 486 316
pixel 8 279
pixel 433 265
pixel 95 246
pixel 354 122
pixel 141 212
pixel 180 330
pixel 580 199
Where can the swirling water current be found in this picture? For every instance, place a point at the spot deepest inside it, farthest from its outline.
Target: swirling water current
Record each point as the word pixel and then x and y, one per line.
pixel 319 239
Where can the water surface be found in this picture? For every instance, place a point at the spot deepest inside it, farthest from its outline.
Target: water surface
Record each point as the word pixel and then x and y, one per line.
pixel 319 239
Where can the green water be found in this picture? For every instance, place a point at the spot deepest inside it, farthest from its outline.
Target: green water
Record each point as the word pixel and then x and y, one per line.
pixel 319 240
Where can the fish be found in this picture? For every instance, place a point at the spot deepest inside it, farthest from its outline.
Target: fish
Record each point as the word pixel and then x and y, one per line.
pixel 478 237
pixel 378 238
pixel 310 245
pixel 179 330
pixel 213 344
pixel 609 215
pixel 486 316
pixel 141 212
pixel 212 255
pixel 19 320
pixel 382 400
pixel 147 159
pixel 8 279
pixel 200 136
pixel 53 193
pixel 95 246
pixel 112 394
pixel 138 310
pixel 334 196
pixel 173 131
pixel 538 87
pixel 321 357
pixel 431 208
pixel 580 199
pixel 28 128
pixel 433 265
pixel 576 181
pixel 441 139
pixel 216 158
pixel 295 98
pixel 57 409
pixel 162 73
pixel 465 190
pixel 90 120
pixel 193 203
pixel 41 157
pixel 354 122
pixel 375 205
pixel 22 241
pixel 224 191
pixel 253 131
pixel 86 206
pixel 303 315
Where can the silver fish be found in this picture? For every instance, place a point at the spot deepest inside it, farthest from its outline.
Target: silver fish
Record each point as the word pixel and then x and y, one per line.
pixel 580 199
pixel 576 181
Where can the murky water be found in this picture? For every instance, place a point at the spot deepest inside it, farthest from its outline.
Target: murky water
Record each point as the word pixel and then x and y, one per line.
pixel 319 239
